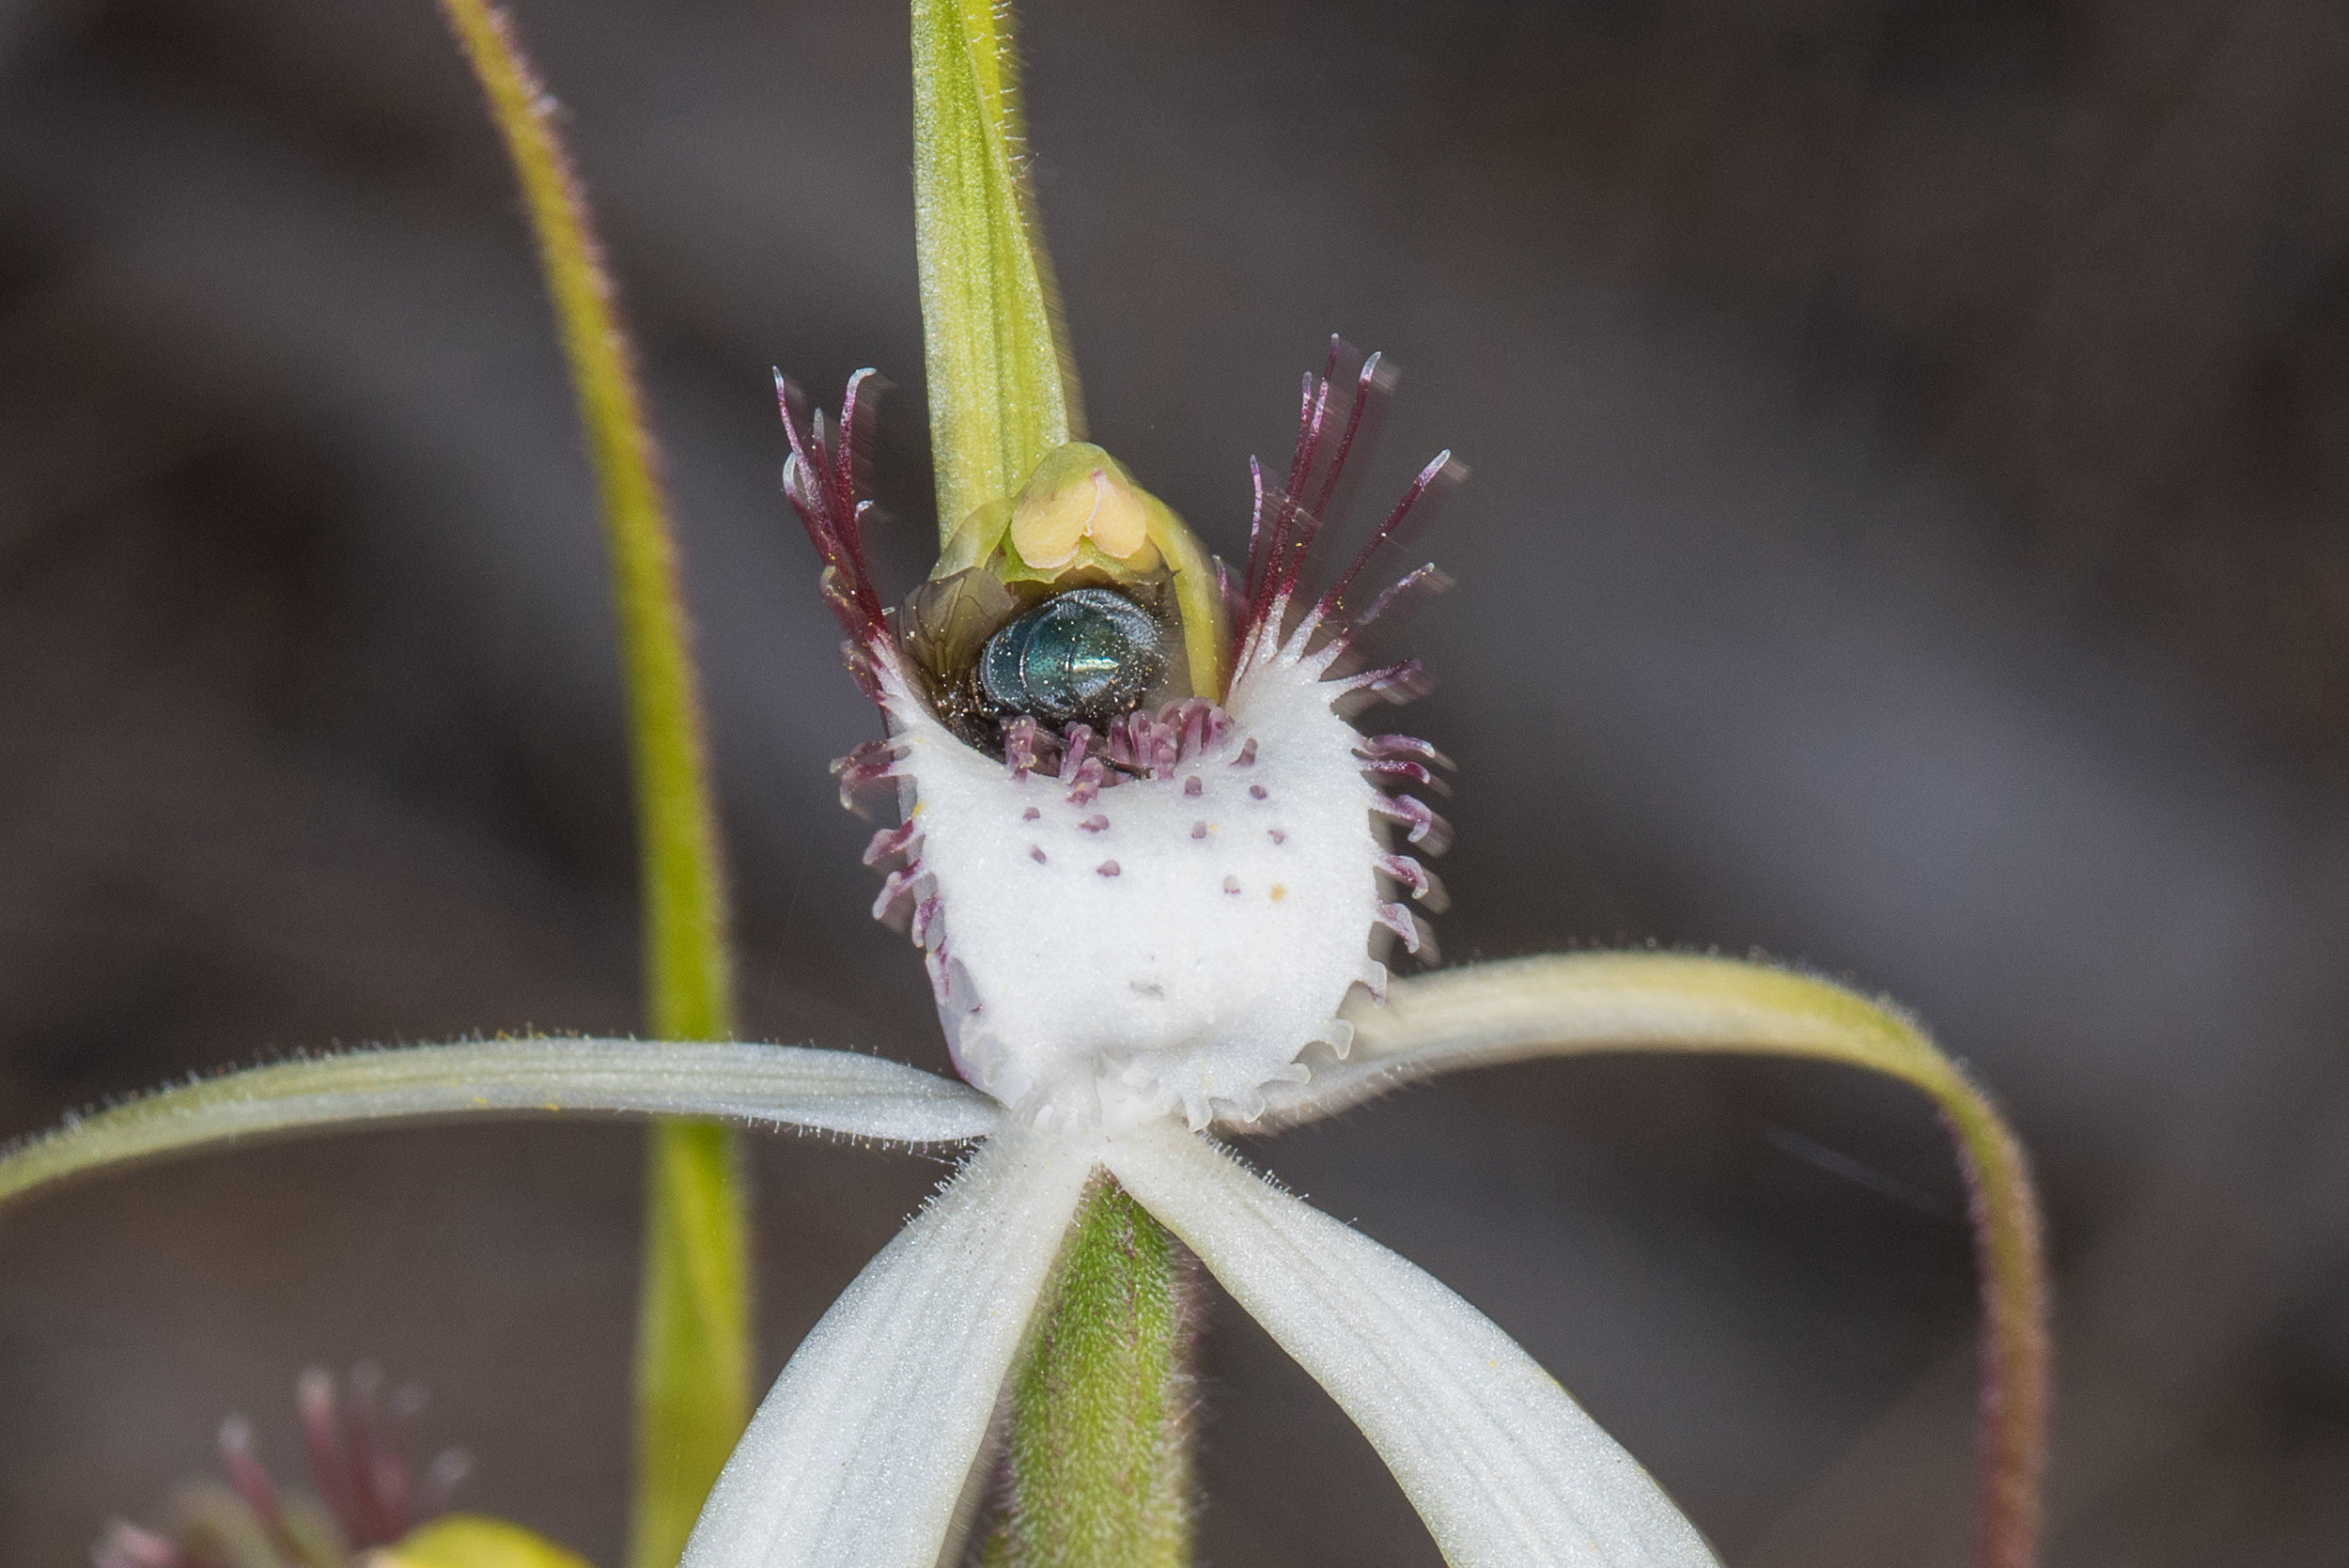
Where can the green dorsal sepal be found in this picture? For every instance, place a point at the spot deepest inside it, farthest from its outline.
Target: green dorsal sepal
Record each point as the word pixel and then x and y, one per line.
pixel 1002 393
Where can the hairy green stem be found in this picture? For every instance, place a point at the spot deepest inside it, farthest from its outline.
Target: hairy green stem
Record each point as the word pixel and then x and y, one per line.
pixel 693 1350
pixel 1098 1460
pixel 1525 1008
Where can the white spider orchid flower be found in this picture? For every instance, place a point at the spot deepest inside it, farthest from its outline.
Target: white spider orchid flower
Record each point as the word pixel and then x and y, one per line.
pixel 1134 941
pixel 1138 938
pixel 1148 863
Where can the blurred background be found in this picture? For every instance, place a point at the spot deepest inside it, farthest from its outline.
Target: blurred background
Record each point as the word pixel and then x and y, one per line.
pixel 1911 453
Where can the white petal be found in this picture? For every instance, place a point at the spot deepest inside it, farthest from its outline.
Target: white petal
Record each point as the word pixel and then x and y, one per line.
pixel 860 1453
pixel 834 1091
pixel 1505 1469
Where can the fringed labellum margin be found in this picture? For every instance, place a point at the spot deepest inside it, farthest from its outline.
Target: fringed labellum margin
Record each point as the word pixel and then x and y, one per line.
pixel 1158 912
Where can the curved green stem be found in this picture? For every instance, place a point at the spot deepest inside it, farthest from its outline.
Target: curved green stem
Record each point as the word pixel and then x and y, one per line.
pixel 1489 1014
pixel 692 1354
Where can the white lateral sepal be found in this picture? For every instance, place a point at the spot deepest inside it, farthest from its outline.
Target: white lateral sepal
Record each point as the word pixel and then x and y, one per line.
pixel 860 1453
pixel 1505 1469
pixel 829 1091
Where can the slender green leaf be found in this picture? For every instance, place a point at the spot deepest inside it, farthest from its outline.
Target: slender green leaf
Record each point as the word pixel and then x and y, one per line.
pixel 692 1332
pixel 1002 393
pixel 693 1341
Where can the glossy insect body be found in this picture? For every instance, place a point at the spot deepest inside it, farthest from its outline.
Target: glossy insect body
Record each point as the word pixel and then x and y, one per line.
pixel 1089 654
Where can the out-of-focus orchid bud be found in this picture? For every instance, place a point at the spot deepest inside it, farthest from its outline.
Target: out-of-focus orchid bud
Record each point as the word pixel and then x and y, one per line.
pixel 473 1541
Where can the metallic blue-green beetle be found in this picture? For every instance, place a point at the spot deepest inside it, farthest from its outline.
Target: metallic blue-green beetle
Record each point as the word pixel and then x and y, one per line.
pixel 1089 654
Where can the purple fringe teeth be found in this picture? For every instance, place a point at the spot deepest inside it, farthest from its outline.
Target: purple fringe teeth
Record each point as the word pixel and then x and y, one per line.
pixel 1277 618
pixel 823 479
pixel 1426 890
pixel 891 842
pixel 865 769
pixel 1418 939
pixel 1428 831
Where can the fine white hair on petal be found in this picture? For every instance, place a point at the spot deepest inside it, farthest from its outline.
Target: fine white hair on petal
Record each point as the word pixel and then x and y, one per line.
pixel 1505 1469
pixel 860 1453
pixel 830 1091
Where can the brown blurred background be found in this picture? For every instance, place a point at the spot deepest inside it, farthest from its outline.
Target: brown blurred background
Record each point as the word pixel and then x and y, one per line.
pixel 1911 442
